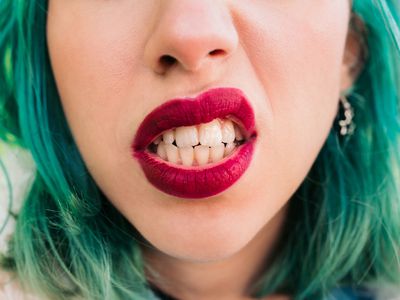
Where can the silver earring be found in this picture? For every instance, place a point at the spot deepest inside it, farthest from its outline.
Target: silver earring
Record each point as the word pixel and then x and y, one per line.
pixel 347 125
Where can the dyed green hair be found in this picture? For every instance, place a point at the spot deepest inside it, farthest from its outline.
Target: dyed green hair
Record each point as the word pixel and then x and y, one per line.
pixel 343 227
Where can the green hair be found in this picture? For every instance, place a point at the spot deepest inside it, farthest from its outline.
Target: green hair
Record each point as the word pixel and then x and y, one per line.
pixel 343 227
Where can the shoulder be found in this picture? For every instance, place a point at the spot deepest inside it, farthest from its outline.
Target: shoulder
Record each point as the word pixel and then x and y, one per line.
pixel 10 289
pixel 386 291
pixel 374 291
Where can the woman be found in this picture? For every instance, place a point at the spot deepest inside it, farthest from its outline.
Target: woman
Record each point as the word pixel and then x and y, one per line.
pixel 204 149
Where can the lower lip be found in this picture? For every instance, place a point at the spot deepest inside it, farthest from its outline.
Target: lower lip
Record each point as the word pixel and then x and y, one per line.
pixel 196 182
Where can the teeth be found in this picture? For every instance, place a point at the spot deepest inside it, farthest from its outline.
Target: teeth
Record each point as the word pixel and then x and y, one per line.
pixel 210 133
pixel 172 153
pixel 169 137
pixel 157 140
pixel 161 152
pixel 187 155
pixel 229 149
pixel 201 153
pixel 238 134
pixel 218 139
pixel 186 136
pixel 228 131
pixel 217 152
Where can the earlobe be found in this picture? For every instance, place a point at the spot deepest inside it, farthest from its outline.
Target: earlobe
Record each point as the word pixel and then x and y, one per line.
pixel 355 52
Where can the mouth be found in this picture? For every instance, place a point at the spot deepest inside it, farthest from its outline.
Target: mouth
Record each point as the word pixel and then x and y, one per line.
pixel 197 147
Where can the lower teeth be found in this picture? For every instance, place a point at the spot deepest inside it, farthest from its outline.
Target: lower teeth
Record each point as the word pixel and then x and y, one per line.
pixel 193 155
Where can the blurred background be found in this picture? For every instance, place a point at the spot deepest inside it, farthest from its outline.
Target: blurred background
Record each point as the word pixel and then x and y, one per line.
pixel 17 171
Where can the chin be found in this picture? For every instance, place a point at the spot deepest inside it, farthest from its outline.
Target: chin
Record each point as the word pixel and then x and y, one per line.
pixel 212 243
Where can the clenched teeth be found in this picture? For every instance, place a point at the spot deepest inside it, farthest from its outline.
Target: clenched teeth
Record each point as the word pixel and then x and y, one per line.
pixel 198 145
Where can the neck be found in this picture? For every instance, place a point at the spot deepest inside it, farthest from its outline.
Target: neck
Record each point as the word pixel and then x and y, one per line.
pixel 230 278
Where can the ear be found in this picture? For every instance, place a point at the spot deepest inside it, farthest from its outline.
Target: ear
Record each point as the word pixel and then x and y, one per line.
pixel 355 52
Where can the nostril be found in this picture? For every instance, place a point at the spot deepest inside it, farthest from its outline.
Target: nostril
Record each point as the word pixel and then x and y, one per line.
pixel 167 60
pixel 217 52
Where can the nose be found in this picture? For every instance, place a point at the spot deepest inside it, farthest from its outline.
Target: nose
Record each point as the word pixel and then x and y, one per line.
pixel 188 34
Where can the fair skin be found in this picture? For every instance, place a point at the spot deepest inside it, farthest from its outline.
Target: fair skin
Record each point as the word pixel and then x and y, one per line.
pixel 288 58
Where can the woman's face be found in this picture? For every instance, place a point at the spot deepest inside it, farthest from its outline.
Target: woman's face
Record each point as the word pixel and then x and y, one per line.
pixel 285 56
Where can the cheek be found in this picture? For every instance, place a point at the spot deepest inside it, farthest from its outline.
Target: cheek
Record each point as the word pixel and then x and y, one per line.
pixel 298 60
pixel 95 58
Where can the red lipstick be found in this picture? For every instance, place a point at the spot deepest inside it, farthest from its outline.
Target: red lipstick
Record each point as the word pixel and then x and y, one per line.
pixel 196 181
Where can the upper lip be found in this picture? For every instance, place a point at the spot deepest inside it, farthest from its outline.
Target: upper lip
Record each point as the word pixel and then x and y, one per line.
pixel 211 104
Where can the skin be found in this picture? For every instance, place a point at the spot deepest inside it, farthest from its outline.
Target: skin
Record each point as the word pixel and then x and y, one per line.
pixel 289 57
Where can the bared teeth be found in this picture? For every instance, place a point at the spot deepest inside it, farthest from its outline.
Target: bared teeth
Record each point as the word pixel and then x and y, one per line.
pixel 157 140
pixel 198 145
pixel 172 153
pixel 169 136
pixel 201 154
pixel 210 133
pixel 217 152
pixel 228 131
pixel 161 152
pixel 238 134
pixel 191 156
pixel 187 155
pixel 229 149
pixel 186 136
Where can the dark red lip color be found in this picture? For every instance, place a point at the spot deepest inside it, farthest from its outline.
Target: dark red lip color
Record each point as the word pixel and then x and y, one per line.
pixel 197 181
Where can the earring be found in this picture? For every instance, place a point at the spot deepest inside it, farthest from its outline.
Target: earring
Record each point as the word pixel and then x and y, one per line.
pixel 347 126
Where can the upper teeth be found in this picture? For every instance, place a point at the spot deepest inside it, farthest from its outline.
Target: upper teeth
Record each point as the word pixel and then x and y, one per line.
pixel 186 136
pixel 208 134
pixel 228 132
pixel 213 141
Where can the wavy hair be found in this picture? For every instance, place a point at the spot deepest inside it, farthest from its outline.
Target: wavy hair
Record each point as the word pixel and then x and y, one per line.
pixel 343 227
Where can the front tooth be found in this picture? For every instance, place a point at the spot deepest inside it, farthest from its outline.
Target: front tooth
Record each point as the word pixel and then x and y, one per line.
pixel 210 133
pixel 186 136
pixel 172 153
pixel 168 136
pixel 217 152
pixel 186 154
pixel 201 153
pixel 238 133
pixel 229 149
pixel 228 131
pixel 161 152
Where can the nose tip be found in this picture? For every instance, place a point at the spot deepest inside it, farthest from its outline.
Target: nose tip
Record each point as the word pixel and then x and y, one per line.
pixel 188 35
